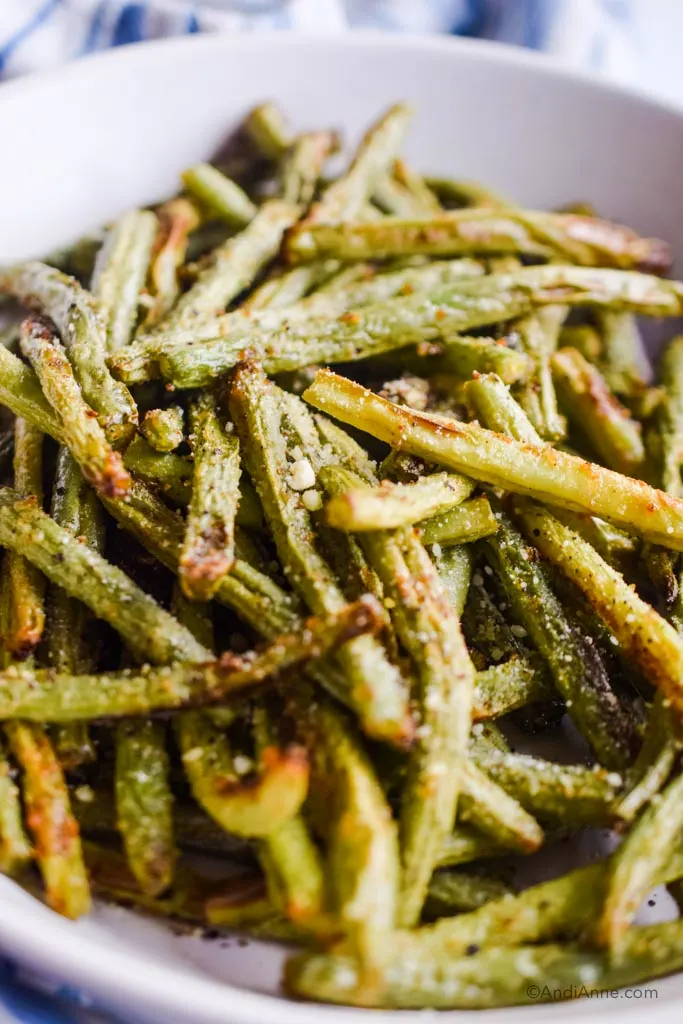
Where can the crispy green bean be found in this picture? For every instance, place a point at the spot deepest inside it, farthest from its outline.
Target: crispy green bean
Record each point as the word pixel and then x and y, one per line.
pixel 290 858
pixel 577 669
pixel 75 507
pixel 454 892
pixel 82 432
pixel 376 688
pixel 163 428
pixel 623 356
pixel 538 336
pixel 21 392
pixel 467 844
pixel 245 806
pixel 50 819
pixel 425 199
pixel 493 811
pixel 177 219
pixel 15 849
pixel 595 410
pixel 224 198
pixel 668 427
pixel 120 272
pixel 266 127
pixel 638 861
pixel 390 505
pixel 358 829
pixel 274 305
pixel 346 197
pixel 26 584
pixel 644 636
pixel 429 630
pixel 473 520
pixel 233 267
pixel 151 632
pixel 539 471
pixel 144 803
pixel 41 695
pixel 583 240
pixel 503 688
pixel 495 977
pixel 427 315
pixel 303 165
pixel 654 763
pixel 83 335
pixel 555 793
pixel 170 474
pixel 208 551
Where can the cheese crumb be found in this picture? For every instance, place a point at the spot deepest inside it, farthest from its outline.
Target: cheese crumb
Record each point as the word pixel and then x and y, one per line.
pixel 301 475
pixel 312 500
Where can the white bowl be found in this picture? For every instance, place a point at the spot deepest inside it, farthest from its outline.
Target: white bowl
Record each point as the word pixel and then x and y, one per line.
pixel 85 142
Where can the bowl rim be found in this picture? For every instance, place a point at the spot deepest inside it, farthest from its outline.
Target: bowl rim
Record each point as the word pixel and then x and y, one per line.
pixel 51 945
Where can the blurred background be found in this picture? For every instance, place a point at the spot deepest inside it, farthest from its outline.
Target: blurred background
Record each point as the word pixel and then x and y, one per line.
pixel 633 41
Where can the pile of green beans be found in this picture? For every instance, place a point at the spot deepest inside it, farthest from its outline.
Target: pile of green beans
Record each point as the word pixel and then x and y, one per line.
pixel 291 618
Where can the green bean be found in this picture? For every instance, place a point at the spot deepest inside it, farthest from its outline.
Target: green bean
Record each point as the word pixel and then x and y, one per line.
pixel 225 199
pixel 83 334
pixel 644 636
pixel 538 336
pixel 577 669
pixel 490 809
pixel 668 428
pixel 359 831
pixel 75 507
pixel 429 630
pixel 623 353
pixel 467 844
pixel 21 392
pixel 347 195
pixel 585 338
pixel 144 803
pixel 653 765
pixel 234 265
pixel 390 505
pixel 453 308
pixel 273 306
pixel 554 793
pixel 503 688
pixel 168 473
pixel 208 551
pixel 26 584
pixel 290 859
pixel 464 193
pixel 594 409
pixel 177 219
pixel 15 849
pixel 541 472
pixel 149 630
pixel 254 596
pixel 495 977
pixel 638 861
pixel 454 566
pixel 394 199
pixel 41 695
pixel 50 819
pixel 453 892
pixel 163 428
pixel 583 240
pixel 303 165
pixel 194 830
pixel 266 127
pixel 376 689
pixel 242 806
pixel 101 465
pixel 468 356
pixel 120 273
pixel 464 524
pixel 425 199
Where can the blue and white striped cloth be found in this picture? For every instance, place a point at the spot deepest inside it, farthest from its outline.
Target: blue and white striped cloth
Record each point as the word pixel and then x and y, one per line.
pixel 593 34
